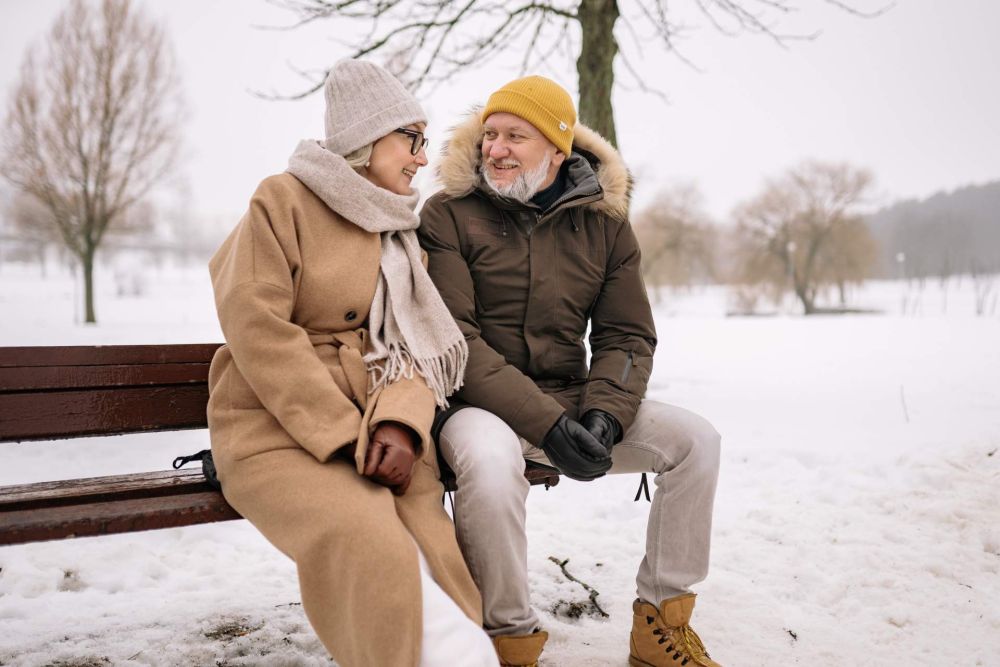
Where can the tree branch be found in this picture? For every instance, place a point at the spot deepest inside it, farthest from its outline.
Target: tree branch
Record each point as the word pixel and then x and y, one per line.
pixel 593 593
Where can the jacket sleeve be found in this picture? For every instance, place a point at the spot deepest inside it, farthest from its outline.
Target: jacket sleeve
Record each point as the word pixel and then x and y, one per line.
pixel 252 277
pixel 490 382
pixel 622 336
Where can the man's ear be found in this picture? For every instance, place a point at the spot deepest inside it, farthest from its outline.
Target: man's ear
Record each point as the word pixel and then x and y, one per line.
pixel 558 158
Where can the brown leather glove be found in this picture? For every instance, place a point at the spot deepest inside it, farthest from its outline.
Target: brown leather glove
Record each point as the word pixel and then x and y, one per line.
pixel 391 456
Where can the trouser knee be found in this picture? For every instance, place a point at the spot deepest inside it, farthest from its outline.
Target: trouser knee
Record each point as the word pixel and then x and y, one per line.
pixel 483 452
pixel 687 440
pixel 706 448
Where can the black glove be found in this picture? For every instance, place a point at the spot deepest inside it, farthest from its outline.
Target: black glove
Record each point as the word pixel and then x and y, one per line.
pixel 575 452
pixel 602 426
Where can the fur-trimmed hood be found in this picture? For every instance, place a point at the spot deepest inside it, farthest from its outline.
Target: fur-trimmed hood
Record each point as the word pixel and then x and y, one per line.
pixel 459 174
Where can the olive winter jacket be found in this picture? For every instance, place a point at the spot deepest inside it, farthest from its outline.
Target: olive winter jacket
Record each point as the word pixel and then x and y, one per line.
pixel 523 286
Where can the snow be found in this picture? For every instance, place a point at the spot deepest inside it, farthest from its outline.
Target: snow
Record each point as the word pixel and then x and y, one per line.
pixel 857 519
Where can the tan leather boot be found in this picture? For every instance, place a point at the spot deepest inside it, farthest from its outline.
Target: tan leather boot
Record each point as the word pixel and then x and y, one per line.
pixel 662 637
pixel 520 650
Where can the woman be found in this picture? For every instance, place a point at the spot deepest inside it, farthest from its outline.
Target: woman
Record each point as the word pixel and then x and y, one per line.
pixel 338 348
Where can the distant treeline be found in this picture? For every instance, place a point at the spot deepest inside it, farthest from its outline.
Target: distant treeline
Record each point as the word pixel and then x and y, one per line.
pixel 946 234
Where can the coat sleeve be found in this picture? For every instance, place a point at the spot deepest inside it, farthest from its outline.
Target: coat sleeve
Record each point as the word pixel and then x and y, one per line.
pixel 622 336
pixel 408 401
pixel 252 277
pixel 490 382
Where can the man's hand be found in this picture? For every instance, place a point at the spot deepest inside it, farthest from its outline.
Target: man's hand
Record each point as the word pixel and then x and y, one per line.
pixel 574 451
pixel 602 426
pixel 391 456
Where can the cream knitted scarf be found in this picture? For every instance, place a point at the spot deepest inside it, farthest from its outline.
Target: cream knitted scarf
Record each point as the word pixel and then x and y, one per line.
pixel 409 325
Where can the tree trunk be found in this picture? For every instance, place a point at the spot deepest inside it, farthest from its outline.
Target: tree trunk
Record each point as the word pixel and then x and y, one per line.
pixel 800 284
pixel 808 305
pixel 87 265
pixel 595 66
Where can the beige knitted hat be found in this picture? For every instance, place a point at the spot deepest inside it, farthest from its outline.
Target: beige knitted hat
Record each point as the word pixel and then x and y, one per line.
pixel 364 103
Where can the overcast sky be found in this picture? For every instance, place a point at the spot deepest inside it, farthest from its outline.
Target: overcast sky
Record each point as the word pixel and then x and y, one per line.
pixel 913 95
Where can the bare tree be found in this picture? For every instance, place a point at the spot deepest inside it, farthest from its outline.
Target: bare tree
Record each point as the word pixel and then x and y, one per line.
pixel 677 238
pixel 23 213
pixel 849 256
pixel 92 125
pixel 429 41
pixel 803 231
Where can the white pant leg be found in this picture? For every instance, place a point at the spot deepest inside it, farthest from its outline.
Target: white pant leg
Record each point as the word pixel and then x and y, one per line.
pixel 682 449
pixel 486 456
pixel 450 637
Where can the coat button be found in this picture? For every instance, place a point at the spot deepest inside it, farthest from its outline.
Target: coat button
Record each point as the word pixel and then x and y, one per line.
pixel 350 316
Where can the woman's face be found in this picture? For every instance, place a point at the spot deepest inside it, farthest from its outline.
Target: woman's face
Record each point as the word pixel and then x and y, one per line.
pixel 393 164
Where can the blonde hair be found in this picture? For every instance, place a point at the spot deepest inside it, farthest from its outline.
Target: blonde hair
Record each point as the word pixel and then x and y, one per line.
pixel 359 158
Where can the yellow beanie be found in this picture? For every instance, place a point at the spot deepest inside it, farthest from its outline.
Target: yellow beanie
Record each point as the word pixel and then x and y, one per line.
pixel 543 103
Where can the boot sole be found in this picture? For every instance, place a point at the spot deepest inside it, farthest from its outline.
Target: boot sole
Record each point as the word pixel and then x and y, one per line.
pixel 636 662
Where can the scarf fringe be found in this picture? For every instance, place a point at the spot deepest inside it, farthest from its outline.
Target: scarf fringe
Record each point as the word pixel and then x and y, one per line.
pixel 443 373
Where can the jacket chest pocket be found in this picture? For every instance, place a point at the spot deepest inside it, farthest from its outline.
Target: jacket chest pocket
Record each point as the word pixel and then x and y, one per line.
pixel 484 233
pixel 497 256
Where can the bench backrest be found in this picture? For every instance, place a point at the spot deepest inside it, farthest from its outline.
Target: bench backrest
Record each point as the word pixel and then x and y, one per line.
pixel 48 393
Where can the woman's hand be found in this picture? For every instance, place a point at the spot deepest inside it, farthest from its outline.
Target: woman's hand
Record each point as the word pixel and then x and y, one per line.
pixel 391 456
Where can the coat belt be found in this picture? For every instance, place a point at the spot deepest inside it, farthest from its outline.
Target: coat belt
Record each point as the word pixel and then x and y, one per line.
pixel 350 347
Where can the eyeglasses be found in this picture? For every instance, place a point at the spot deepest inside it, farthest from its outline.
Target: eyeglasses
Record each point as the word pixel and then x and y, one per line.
pixel 419 140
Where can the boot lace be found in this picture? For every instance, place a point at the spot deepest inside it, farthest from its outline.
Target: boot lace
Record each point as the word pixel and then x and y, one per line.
pixel 683 642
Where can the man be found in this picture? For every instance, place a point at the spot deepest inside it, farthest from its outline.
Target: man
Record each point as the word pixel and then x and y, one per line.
pixel 528 242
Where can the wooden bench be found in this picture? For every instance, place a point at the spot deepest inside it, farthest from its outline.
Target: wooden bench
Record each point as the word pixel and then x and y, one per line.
pixel 49 393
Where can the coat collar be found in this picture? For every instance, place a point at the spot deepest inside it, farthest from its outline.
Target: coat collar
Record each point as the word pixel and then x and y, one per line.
pixel 459 175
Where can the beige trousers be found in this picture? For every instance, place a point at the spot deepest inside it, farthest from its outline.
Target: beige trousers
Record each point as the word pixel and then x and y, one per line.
pixel 678 446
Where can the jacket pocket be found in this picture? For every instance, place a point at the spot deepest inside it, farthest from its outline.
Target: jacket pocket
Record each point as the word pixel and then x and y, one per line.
pixel 483 231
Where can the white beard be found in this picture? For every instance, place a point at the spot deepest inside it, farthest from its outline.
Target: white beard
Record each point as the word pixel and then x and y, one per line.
pixel 525 185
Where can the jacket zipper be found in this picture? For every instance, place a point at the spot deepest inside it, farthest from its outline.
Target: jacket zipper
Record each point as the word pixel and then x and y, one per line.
pixel 628 368
pixel 576 203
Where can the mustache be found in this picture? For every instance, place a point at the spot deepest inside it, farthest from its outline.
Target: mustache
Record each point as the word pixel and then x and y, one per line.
pixel 502 163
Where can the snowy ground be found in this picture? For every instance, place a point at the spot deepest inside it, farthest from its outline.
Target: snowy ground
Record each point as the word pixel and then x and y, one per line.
pixel 857 518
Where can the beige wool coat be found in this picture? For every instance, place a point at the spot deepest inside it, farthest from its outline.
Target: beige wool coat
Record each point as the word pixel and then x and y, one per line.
pixel 290 417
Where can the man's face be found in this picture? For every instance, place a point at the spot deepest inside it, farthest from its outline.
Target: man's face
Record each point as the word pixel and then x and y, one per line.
pixel 516 153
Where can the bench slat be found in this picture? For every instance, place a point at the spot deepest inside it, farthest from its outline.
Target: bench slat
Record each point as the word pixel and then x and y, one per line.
pixel 101 355
pixel 70 414
pixel 39 378
pixel 101 489
pixel 120 516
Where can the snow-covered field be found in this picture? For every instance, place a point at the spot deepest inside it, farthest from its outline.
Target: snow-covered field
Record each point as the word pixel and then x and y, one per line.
pixel 857 518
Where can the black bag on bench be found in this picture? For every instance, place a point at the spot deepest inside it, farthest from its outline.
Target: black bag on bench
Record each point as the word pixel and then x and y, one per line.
pixel 207 466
